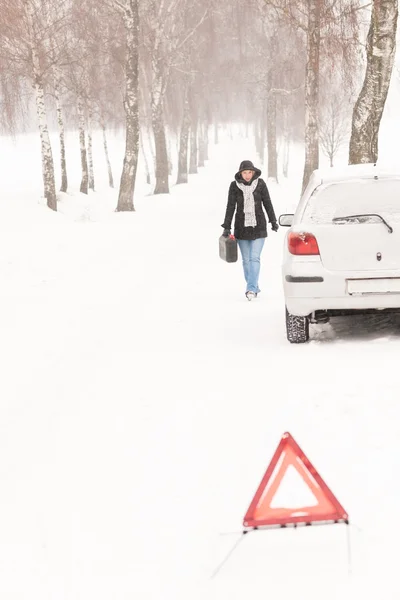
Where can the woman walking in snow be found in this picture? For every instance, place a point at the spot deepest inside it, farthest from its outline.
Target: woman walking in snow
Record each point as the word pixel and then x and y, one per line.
pixel 248 194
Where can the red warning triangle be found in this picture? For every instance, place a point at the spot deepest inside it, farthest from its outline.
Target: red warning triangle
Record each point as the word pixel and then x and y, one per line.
pixel 321 505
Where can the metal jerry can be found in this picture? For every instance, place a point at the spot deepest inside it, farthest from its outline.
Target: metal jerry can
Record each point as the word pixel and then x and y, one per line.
pixel 228 248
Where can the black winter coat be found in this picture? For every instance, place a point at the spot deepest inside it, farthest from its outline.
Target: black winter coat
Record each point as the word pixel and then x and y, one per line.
pixel 236 202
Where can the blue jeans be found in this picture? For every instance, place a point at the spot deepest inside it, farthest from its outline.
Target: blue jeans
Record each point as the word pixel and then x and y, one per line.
pixel 251 252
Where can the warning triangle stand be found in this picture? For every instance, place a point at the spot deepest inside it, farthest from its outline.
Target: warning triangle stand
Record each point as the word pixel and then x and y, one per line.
pixel 321 506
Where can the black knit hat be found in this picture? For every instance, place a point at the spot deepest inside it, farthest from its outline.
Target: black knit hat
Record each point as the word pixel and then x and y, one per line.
pixel 247 165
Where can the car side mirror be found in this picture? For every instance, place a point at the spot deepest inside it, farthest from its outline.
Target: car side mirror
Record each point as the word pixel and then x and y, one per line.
pixel 286 220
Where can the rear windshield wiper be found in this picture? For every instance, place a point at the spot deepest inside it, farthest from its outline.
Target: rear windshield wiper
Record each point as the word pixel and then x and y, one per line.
pixel 351 217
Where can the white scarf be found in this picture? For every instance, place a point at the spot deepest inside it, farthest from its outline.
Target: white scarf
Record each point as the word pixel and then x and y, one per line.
pixel 249 210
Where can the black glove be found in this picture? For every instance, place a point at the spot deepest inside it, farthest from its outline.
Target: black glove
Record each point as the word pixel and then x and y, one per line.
pixel 274 226
pixel 226 232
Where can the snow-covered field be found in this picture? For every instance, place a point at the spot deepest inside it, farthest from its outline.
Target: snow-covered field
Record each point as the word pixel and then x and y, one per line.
pixel 142 398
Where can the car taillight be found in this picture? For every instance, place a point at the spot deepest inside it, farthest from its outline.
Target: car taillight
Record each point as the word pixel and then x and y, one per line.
pixel 302 243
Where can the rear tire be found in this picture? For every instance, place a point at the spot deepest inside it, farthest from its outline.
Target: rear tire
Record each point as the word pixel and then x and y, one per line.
pixel 297 328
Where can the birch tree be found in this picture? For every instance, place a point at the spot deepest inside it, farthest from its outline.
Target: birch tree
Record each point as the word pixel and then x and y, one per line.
pixel 334 122
pixel 107 86
pixel 368 110
pixel 12 93
pixel 166 38
pixel 274 77
pixel 190 62
pixel 194 150
pixel 182 176
pixel 336 25
pixel 80 104
pixel 333 131
pixel 312 89
pixel 61 129
pixel 56 47
pixel 106 154
pixel 80 71
pixel 32 40
pixel 130 15
pixel 90 145
pixel 201 64
pixel 158 20
pixel 32 11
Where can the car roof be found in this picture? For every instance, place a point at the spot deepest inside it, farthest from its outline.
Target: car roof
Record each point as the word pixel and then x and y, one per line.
pixel 349 172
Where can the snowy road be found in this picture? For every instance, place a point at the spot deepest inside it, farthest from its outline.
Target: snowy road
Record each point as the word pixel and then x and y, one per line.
pixel 142 398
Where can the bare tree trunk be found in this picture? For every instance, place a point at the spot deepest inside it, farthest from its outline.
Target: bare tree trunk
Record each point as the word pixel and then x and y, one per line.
pixel 201 145
pixel 90 149
pixel 105 145
pixel 47 155
pixel 257 137
pixel 61 130
pixel 146 125
pixel 367 113
pixel 150 141
pixel 271 137
pixel 82 145
pixel 149 137
pixel 286 141
pixel 158 80
pixel 146 162
pixel 262 131
pixel 312 90
pixel 159 76
pixel 286 152
pixel 216 133
pixel 129 169
pixel 193 147
pixel 184 142
pixel 169 152
pixel 206 139
pixel 157 118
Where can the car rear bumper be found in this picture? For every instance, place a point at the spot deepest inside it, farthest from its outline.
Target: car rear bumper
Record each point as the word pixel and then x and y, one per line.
pixel 305 306
pixel 309 287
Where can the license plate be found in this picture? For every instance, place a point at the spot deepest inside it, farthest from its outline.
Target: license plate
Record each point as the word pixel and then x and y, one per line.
pixel 389 285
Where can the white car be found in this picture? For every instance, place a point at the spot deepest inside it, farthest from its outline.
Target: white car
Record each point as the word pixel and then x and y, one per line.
pixel 342 251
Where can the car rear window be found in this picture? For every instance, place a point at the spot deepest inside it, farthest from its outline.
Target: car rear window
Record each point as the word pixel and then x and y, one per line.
pixel 359 197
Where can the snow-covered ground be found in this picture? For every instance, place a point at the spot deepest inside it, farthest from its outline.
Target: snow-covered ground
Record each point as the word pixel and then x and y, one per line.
pixel 142 398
